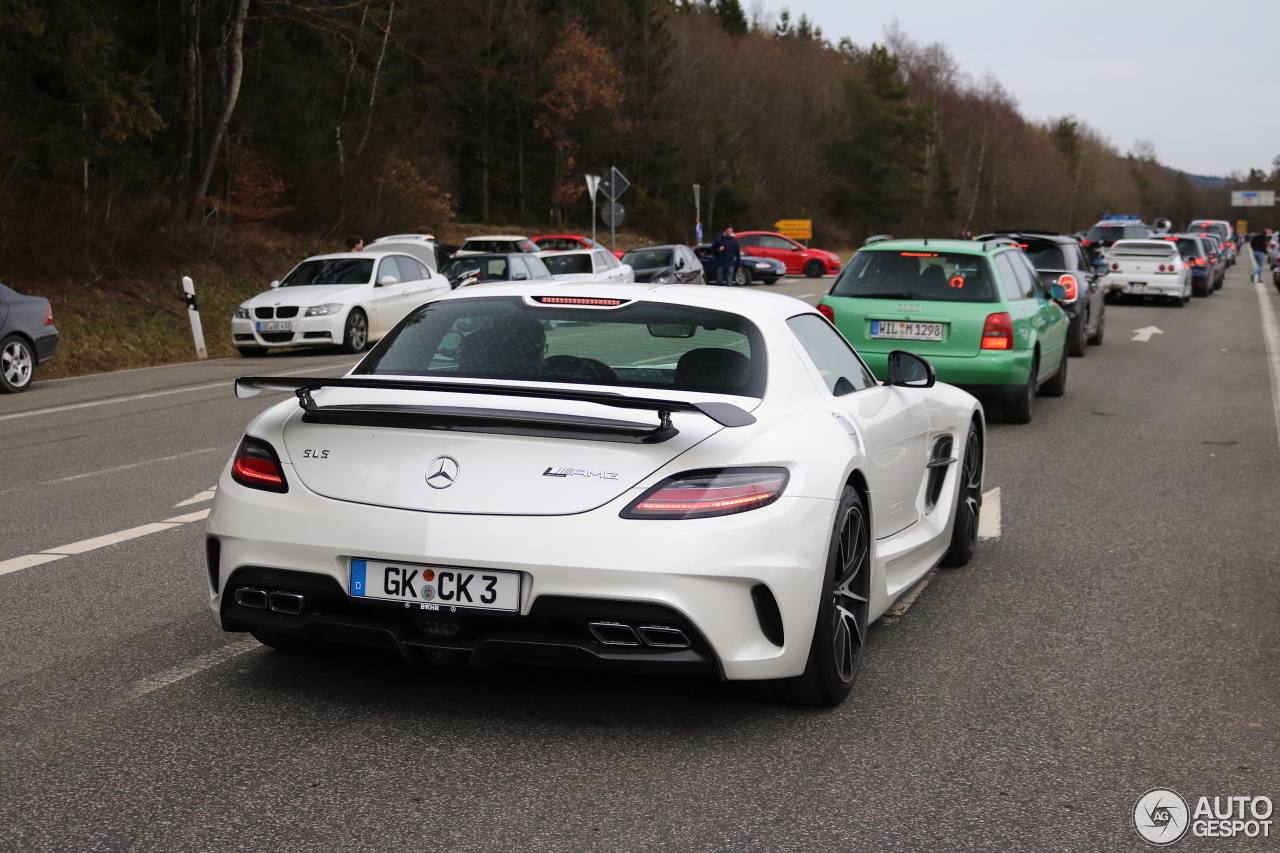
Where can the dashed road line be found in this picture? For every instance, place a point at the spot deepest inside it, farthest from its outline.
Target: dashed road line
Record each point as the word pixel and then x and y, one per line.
pixel 192 667
pixel 989 518
pixel 199 498
pixel 119 468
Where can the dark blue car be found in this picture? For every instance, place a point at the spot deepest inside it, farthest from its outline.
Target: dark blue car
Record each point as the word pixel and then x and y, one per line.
pixel 27 338
pixel 750 268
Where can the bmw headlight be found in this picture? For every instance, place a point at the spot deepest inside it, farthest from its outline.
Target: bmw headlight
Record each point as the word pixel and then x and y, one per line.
pixel 324 310
pixel 242 314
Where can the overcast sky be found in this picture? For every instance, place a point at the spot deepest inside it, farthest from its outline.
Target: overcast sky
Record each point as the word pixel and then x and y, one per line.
pixel 1200 80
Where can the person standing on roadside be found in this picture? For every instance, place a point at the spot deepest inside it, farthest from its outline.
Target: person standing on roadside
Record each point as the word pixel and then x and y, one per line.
pixel 355 243
pixel 1259 245
pixel 727 253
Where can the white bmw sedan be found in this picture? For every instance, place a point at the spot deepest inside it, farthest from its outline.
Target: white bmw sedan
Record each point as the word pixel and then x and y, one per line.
pixel 594 265
pixel 646 477
pixel 346 299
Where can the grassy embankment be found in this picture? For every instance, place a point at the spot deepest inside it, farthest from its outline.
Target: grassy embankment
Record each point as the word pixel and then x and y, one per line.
pixel 131 313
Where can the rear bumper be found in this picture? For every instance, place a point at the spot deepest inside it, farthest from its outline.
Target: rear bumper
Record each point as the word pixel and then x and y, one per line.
pixel 1148 285
pixel 989 368
pixel 46 344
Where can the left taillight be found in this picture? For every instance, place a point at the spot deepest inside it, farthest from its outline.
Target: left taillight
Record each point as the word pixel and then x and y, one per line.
pixel 710 492
pixel 257 466
pixel 48 316
pixel 1068 283
pixel 827 311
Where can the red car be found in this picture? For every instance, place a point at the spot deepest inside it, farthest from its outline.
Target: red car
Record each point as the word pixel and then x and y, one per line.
pixel 568 243
pixel 813 263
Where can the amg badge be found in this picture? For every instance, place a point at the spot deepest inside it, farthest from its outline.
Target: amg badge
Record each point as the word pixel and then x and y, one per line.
pixel 578 472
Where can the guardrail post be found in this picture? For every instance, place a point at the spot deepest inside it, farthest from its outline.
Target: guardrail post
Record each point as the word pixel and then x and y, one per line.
pixel 189 288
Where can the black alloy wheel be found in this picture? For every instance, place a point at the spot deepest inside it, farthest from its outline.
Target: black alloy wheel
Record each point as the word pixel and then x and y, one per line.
pixel 741 277
pixel 964 531
pixel 840 632
pixel 815 269
pixel 1076 344
pixel 355 334
pixel 17 364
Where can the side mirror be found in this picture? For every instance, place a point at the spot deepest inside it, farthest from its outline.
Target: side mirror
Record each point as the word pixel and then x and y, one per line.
pixel 908 370
pixel 520 276
pixel 275 284
pixel 1057 291
pixel 1101 267
pixel 388 279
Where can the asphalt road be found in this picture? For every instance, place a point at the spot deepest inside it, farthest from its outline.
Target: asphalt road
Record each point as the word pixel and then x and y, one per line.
pixel 1120 634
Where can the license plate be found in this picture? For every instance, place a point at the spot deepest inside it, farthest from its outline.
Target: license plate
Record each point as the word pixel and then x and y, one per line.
pixel 278 326
pixel 906 331
pixel 1137 286
pixel 436 587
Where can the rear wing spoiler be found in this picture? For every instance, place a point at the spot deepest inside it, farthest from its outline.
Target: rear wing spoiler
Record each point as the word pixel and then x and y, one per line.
pixel 725 414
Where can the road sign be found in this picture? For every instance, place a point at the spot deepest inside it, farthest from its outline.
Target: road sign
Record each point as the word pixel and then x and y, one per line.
pixel 614 184
pixel 612 214
pixel 1242 226
pixel 1253 198
pixel 796 229
pixel 593 184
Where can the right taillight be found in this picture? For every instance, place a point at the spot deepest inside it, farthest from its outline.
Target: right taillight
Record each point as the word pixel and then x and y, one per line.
pixel 1068 283
pixel 997 332
pixel 257 466
pixel 710 492
pixel 827 311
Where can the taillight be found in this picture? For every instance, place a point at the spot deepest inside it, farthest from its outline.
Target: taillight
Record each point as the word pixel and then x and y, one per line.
pixel 1085 243
pixel 48 316
pixel 1198 261
pixel 997 332
pixel 257 466
pixel 828 312
pixel 1162 268
pixel 1068 283
pixel 710 492
pixel 1115 266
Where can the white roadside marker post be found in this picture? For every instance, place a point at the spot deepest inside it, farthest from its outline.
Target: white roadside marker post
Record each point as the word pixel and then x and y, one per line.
pixel 189 288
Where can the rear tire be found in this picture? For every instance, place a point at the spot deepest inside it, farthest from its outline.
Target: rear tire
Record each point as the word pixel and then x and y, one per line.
pixel 815 269
pixel 1076 344
pixel 964 531
pixel 1019 411
pixel 840 632
pixel 1096 338
pixel 17 364
pixel 355 332
pixel 1057 386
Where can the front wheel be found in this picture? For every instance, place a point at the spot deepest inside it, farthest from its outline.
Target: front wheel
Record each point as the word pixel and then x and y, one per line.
pixel 17 364
pixel 964 531
pixel 840 632
pixel 815 269
pixel 355 334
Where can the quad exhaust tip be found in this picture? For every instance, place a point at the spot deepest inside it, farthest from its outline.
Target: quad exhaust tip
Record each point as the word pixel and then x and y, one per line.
pixel 621 634
pixel 261 599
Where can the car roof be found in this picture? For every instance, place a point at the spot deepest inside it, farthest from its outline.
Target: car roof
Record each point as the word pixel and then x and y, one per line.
pixel 1118 220
pixel 358 255
pixel 561 237
pixel 495 237
pixel 929 244
pixel 1142 243
pixel 663 246
pixel 1044 236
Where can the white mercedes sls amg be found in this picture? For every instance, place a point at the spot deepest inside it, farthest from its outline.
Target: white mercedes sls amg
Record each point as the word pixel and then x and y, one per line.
pixel 642 477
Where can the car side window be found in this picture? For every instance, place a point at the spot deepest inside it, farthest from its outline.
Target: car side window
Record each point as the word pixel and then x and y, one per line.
pixel 519 272
pixel 599 261
pixel 423 271
pixel 611 261
pixel 408 269
pixel 1009 278
pixel 776 243
pixel 840 368
pixel 751 241
pixel 1028 279
pixel 389 267
pixel 537 268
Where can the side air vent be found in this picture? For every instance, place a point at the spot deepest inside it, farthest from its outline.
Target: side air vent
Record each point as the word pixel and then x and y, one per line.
pixel 940 460
pixel 767 613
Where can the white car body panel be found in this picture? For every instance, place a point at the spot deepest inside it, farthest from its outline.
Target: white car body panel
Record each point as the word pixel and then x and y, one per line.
pixel 1134 268
pixel 566 535
pixel 606 269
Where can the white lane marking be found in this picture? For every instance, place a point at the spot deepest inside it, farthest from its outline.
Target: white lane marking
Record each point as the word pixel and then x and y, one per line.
pixel 196 665
pixel 200 515
pixel 199 498
pixel 989 518
pixel 130 465
pixel 1271 334
pixel 146 396
pixel 1144 334
pixel 111 538
pixel 26 561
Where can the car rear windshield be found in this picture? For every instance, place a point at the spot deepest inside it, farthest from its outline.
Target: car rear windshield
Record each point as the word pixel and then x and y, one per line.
pixel 647 259
pixel 497 247
pixel 1045 256
pixel 1107 234
pixel 557 244
pixel 569 264
pixel 332 271
pixel 643 344
pixel 922 275
pixel 1187 247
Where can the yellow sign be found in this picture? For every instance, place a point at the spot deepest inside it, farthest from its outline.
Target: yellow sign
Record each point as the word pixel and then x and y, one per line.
pixel 1242 226
pixel 796 229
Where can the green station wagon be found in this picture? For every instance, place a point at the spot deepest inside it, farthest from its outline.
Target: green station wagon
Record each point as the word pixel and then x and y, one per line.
pixel 976 310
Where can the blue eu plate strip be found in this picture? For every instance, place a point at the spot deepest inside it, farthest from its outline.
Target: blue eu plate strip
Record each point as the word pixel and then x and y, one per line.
pixel 357 577
pixel 875 327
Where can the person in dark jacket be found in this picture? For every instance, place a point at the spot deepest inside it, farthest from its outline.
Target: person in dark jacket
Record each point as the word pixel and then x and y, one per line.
pixel 1259 245
pixel 727 253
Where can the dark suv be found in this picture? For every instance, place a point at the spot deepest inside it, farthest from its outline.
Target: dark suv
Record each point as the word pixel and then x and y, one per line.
pixel 1062 260
pixel 1112 228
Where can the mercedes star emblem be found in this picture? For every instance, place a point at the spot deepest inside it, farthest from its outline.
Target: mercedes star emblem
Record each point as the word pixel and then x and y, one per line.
pixel 442 472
